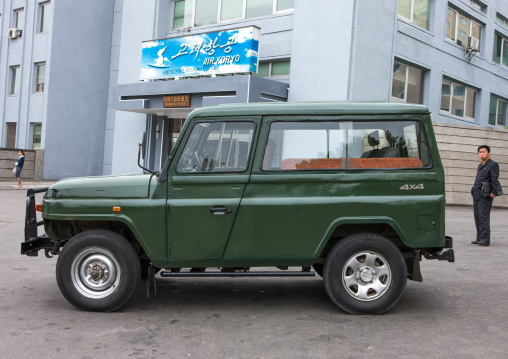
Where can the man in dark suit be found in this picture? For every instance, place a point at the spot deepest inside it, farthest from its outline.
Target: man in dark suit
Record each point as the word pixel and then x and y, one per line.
pixel 483 195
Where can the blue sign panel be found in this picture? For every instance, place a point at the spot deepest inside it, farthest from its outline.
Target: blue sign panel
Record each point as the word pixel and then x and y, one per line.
pixel 222 52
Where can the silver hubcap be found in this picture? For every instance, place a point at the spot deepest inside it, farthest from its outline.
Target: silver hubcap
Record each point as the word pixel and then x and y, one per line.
pixel 366 276
pixel 95 273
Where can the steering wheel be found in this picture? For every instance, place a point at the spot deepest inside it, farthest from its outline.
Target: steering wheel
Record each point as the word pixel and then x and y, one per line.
pixel 191 163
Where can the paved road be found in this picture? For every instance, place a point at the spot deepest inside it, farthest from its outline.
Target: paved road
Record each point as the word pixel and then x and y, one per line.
pixel 459 311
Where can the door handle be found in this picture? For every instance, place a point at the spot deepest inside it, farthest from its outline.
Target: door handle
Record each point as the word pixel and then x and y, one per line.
pixel 220 210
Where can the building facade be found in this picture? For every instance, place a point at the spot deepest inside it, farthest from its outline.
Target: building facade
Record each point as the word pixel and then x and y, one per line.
pixel 450 55
pixel 54 67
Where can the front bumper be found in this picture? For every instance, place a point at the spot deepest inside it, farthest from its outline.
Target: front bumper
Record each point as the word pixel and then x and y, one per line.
pixel 33 243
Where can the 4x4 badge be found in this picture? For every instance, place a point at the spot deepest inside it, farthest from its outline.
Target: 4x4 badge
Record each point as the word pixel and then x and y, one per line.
pixel 408 187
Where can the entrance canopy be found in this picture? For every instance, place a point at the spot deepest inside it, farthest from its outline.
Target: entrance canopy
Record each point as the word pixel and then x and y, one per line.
pixel 148 97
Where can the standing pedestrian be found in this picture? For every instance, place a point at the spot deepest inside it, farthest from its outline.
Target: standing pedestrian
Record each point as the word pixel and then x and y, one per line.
pixel 19 167
pixel 486 187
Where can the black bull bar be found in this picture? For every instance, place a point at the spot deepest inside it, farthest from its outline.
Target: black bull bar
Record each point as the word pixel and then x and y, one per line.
pixel 33 243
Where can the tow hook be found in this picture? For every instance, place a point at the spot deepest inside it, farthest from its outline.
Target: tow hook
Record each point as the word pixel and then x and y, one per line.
pixel 447 255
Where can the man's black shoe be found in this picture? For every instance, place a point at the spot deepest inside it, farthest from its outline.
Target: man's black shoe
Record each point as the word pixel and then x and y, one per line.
pixel 486 244
pixel 475 242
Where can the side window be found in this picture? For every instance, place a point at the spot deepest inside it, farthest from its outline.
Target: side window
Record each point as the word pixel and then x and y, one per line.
pixel 341 145
pixel 217 147
pixel 397 144
pixel 305 145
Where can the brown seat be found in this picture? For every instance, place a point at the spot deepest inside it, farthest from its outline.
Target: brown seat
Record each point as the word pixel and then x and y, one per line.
pixel 311 163
pixel 395 162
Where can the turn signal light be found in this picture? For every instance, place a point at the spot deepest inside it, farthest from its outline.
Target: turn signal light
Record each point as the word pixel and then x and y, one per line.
pixel 117 209
pixel 38 207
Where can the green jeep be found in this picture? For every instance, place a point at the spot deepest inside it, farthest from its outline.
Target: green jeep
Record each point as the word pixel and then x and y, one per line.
pixel 354 191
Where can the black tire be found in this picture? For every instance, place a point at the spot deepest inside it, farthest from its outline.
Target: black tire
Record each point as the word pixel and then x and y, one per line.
pixel 113 263
pixel 365 274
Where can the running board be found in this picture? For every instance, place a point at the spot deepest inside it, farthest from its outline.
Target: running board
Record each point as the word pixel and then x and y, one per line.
pixel 237 274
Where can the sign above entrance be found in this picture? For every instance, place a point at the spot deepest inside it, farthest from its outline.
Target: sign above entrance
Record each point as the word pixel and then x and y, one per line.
pixel 176 101
pixel 221 52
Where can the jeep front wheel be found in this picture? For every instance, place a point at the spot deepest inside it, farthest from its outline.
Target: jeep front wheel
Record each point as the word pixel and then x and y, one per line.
pixel 365 274
pixel 98 270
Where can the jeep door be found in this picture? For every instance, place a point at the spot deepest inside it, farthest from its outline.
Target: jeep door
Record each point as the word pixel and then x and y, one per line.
pixel 206 183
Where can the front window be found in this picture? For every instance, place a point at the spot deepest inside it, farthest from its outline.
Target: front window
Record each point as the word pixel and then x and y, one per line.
pixel 217 147
pixel 206 12
pixel 407 85
pixel 256 8
pixel 183 13
pixel 459 28
pixel 43 17
pixel 188 13
pixel 14 88
pixel 498 111
pixel 40 75
pixel 333 145
pixel 19 19
pixel 477 5
pixel 36 135
pixel 458 99
pixel 416 11
pixel 500 50
pixel 273 69
pixel 501 20
pixel 10 140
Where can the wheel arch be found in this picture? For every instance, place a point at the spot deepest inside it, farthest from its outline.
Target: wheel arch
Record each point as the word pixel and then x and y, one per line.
pixel 65 229
pixel 345 226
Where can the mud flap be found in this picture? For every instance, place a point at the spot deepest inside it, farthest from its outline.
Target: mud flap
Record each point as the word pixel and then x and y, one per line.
pixel 151 290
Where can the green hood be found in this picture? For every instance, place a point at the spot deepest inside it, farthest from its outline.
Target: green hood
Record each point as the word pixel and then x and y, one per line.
pixel 128 186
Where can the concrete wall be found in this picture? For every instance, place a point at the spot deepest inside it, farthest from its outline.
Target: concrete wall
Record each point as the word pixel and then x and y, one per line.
pixel 78 91
pixel 32 168
pixel 321 50
pixel 458 149
pixel 372 50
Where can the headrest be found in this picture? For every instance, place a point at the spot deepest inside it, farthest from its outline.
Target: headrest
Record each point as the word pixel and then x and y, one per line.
pixel 373 138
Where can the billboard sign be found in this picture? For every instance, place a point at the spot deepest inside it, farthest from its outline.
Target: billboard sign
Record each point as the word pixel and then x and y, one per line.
pixel 221 52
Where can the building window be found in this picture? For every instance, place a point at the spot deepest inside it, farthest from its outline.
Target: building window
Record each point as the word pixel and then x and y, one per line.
pixel 274 69
pixel 36 135
pixel 498 111
pixel 15 73
pixel 500 50
pixel 477 5
pixel 19 19
pixel 501 20
pixel 407 85
pixel 189 13
pixel 459 27
pixel 206 12
pixel 43 17
pixel 10 141
pixel 416 11
pixel 40 75
pixel 458 99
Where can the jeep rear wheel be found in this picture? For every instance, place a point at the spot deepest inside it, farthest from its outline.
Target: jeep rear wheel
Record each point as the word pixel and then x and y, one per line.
pixel 98 270
pixel 365 273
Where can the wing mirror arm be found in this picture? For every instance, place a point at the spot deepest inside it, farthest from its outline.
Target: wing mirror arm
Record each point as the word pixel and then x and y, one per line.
pixel 142 148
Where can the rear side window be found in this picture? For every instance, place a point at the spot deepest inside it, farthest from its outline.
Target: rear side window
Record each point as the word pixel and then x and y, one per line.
pixel 217 147
pixel 314 145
